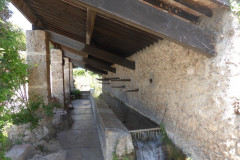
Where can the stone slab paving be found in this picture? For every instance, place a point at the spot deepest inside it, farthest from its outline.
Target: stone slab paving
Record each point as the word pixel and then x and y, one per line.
pixel 81 141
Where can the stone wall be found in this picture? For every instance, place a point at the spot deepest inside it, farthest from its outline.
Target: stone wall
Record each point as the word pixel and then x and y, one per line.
pixel 200 95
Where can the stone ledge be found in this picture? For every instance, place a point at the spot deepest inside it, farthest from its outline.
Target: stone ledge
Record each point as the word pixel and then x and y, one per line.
pixel 114 136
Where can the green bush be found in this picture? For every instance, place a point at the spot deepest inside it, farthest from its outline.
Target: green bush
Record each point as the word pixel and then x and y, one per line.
pixel 76 93
pixel 235 7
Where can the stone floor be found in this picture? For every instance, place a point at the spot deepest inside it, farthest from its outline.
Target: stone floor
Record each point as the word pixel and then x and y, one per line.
pixel 81 141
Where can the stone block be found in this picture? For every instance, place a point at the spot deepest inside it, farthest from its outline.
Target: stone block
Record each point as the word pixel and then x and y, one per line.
pixel 36 41
pixel 57 75
pixel 38 59
pixel 20 152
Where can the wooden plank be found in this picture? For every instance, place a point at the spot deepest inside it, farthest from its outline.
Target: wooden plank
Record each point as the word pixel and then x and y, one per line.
pixel 79 53
pixel 65 41
pixel 154 21
pixel 90 50
pixel 72 56
pixel 160 4
pixel 196 6
pixel 109 57
pixel 27 12
pixel 123 86
pixel 131 90
pixel 88 67
pixel 91 15
pixel 96 69
pixel 88 61
pixel 99 65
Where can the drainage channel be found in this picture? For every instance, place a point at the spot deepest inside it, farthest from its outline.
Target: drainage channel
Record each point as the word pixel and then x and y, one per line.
pixel 150 141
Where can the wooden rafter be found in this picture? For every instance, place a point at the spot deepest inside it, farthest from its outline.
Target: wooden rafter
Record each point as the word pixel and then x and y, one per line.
pixel 91 15
pixel 99 65
pixel 91 62
pixel 154 21
pixel 90 50
pixel 88 67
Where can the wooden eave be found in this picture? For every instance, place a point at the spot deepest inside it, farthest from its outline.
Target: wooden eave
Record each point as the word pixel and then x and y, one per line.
pixel 107 33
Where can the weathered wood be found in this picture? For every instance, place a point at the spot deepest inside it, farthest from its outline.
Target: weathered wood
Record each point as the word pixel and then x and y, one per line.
pixel 195 6
pixel 27 12
pixel 126 80
pixel 99 65
pixel 99 79
pixel 72 55
pixel 65 41
pixel 88 67
pixel 123 86
pixel 90 50
pixel 79 53
pixel 104 83
pixel 95 69
pixel 172 9
pixel 109 57
pixel 225 3
pixel 91 15
pixel 131 90
pixel 154 21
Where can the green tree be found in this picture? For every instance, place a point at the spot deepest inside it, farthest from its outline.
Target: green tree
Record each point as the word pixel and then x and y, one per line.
pixel 13 70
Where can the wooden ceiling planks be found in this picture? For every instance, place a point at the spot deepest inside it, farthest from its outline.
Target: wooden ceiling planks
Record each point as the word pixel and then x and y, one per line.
pixel 114 36
pixel 61 17
pixel 111 35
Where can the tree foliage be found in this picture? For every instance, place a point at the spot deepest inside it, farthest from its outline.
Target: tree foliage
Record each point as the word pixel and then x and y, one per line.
pixel 13 70
pixel 235 7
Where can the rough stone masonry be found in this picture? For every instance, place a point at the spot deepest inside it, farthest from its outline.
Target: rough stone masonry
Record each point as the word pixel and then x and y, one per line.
pixel 200 95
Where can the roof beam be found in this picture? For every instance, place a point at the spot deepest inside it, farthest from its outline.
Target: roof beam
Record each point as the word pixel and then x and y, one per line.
pixel 88 61
pixel 90 50
pixel 88 67
pixel 154 21
pixel 22 6
pixel 91 15
pixel 196 6
pixel 99 65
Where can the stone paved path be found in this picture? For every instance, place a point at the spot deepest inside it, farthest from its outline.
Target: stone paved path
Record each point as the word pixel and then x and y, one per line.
pixel 81 141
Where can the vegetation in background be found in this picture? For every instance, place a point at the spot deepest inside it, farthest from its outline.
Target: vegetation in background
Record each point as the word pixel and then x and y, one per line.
pixel 87 79
pixel 76 93
pixel 235 7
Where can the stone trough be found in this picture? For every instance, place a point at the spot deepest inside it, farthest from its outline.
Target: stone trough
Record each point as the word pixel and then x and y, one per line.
pixel 116 126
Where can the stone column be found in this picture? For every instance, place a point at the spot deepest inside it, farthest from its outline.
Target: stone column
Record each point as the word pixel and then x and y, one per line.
pixel 71 77
pixel 38 59
pixel 67 80
pixel 57 75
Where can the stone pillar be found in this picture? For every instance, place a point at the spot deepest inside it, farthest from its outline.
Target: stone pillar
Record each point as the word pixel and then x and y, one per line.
pixel 38 59
pixel 57 75
pixel 67 80
pixel 71 77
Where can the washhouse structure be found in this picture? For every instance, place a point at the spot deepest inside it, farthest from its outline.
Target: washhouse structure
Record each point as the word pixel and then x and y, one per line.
pixel 176 62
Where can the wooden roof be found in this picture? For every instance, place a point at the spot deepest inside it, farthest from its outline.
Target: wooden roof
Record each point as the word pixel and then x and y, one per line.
pixel 110 30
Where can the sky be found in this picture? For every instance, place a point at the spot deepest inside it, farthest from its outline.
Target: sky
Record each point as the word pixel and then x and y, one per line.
pixel 18 19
